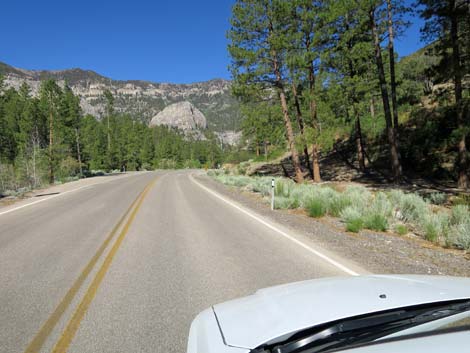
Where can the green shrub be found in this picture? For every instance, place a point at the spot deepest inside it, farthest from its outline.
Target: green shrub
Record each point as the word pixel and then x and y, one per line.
pixel 354 225
pixel 435 225
pixel 283 187
pixel 376 221
pixel 353 218
pixel 358 195
pixel 377 214
pixel 350 213
pixel 460 235
pixel 337 204
pixel 243 167
pixel 410 207
pixel 233 180
pixel 437 198
pixel 381 205
pixel 460 214
pixel 401 229
pixel 303 193
pixel 261 185
pixel 315 207
pixel 191 163
pixel 68 167
pixel 286 203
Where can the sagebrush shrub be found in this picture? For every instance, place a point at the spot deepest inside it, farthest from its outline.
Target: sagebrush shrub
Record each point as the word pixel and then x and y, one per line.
pixel 233 180
pixel 285 203
pixel 355 225
pixel 401 229
pixel 338 203
pixel 410 207
pixel 283 187
pixel 358 195
pixel 352 216
pixel 376 221
pixel 261 185
pixel 437 198
pixel 377 214
pixel 316 207
pixel 460 214
pixel 460 235
pixel 434 225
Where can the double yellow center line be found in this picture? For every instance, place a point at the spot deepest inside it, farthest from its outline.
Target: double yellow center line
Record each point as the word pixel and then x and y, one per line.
pixel 70 330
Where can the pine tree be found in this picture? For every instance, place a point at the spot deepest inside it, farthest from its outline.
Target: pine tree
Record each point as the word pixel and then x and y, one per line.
pixel 50 94
pixel 391 129
pixel 258 41
pixel 448 21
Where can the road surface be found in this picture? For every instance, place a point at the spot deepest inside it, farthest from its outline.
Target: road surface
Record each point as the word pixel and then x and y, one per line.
pixel 125 265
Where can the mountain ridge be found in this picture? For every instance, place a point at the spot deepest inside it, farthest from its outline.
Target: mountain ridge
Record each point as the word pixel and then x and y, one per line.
pixel 140 98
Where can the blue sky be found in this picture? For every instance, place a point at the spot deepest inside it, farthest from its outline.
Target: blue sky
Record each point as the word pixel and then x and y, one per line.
pixel 177 41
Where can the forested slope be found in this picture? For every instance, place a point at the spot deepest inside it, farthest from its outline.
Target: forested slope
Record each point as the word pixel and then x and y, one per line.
pixel 47 138
pixel 322 76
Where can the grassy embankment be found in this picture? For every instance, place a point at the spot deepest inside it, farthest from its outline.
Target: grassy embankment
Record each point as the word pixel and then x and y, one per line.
pixel 359 208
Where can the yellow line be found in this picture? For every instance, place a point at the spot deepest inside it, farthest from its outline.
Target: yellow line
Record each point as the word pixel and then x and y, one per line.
pixel 38 340
pixel 71 329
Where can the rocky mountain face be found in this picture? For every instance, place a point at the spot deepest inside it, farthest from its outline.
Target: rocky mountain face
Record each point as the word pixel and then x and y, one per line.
pixel 142 99
pixel 182 115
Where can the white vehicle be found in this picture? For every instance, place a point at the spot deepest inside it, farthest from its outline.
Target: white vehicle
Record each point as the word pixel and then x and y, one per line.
pixel 356 314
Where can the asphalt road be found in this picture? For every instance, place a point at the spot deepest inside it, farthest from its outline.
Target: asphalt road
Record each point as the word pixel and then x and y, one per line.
pixel 77 276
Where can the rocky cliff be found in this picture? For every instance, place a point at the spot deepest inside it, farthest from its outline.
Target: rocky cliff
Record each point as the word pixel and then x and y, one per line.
pixel 182 115
pixel 142 99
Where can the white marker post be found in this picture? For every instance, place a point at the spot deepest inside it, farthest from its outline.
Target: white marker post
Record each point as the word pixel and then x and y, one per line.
pixel 272 194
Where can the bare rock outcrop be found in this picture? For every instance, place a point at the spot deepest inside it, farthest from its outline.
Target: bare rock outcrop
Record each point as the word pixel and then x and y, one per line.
pixel 181 115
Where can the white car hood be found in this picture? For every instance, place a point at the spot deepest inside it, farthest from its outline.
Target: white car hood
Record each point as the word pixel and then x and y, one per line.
pixel 280 311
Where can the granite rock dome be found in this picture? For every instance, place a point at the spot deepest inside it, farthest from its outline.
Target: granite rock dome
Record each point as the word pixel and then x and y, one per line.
pixel 181 115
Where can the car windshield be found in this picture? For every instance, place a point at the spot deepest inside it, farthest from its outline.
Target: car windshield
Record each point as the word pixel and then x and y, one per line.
pixel 367 328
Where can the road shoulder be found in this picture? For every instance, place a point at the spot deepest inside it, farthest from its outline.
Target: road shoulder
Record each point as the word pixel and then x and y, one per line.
pixel 39 195
pixel 378 252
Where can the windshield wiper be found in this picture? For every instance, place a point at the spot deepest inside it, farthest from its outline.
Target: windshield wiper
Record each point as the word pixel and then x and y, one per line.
pixel 366 328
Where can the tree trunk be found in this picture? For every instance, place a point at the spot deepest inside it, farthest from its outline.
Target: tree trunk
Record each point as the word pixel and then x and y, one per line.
pixel 285 113
pixel 359 141
pixel 300 121
pixel 51 141
pixel 457 72
pixel 79 155
pixel 290 137
pixel 391 52
pixel 109 135
pixel 316 163
pixel 372 108
pixel 392 138
pixel 35 142
pixel 357 119
pixel 313 114
pixel 287 121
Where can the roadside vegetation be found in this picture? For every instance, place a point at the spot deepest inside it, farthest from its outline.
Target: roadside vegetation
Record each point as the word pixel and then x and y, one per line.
pixel 359 208
pixel 324 76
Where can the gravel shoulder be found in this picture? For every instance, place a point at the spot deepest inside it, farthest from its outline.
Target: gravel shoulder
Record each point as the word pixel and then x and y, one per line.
pixel 377 252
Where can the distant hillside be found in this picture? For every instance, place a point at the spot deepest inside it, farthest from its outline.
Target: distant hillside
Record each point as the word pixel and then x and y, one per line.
pixel 141 99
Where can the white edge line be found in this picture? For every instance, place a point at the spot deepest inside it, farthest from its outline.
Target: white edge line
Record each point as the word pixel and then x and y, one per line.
pixel 284 234
pixel 45 199
pixel 63 193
